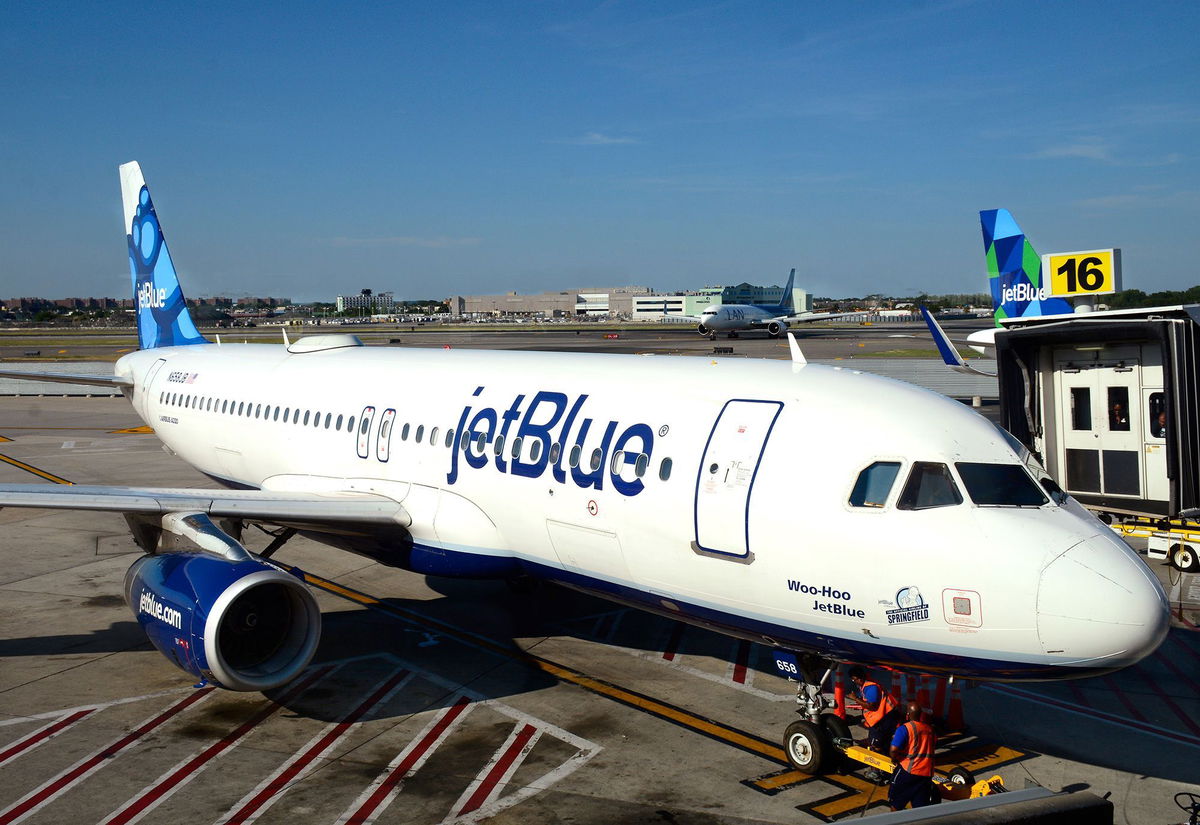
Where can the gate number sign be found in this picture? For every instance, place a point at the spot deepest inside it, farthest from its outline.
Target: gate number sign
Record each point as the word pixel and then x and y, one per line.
pixel 1092 272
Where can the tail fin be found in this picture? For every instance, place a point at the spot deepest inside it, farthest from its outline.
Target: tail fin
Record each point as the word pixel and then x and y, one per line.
pixel 789 297
pixel 162 315
pixel 1015 271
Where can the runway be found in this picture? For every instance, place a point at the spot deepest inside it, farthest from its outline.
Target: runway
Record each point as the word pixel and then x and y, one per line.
pixel 436 700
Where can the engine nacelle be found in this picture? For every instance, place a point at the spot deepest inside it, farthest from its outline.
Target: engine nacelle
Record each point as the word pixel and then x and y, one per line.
pixel 244 625
pixel 776 328
pixel 703 330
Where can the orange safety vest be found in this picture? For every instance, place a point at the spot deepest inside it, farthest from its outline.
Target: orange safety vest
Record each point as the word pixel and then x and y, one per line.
pixel 886 705
pixel 919 759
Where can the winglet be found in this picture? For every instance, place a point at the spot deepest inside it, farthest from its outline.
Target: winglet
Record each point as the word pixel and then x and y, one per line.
pixel 947 350
pixel 286 342
pixel 798 358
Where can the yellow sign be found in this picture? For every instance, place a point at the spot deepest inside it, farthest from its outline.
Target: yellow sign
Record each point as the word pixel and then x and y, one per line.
pixel 1093 272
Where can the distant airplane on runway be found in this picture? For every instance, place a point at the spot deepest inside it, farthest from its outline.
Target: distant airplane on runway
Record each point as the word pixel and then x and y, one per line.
pixel 771 318
pixel 674 485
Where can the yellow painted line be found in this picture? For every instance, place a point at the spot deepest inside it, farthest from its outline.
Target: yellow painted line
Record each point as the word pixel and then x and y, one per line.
pixel 29 468
pixel 3 439
pixel 724 733
pixel 142 430
pixel 978 760
pixel 781 780
pixel 864 794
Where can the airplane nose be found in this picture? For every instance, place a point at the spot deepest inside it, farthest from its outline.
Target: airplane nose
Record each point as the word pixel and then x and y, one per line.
pixel 1099 603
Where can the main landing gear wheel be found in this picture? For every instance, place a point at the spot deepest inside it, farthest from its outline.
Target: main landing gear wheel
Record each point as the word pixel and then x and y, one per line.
pixel 805 745
pixel 1184 558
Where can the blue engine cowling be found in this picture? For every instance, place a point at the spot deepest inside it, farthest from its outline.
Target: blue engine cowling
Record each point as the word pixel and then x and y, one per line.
pixel 243 625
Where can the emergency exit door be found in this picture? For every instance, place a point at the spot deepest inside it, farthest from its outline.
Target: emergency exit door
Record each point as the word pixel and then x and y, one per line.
pixel 1100 428
pixel 727 472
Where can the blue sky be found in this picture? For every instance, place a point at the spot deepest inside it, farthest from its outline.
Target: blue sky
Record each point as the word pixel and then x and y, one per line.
pixel 460 148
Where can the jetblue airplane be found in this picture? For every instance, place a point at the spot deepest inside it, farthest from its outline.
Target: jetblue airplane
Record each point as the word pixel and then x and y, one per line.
pixel 1015 279
pixel 774 318
pixel 833 515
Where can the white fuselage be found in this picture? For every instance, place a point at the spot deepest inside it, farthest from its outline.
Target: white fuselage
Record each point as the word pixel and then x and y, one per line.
pixel 748 529
pixel 732 317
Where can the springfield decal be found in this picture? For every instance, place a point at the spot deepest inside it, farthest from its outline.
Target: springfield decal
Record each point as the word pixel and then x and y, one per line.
pixel 832 597
pixel 538 422
pixel 910 607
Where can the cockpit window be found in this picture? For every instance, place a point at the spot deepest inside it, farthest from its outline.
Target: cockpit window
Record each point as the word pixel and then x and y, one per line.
pixel 874 484
pixel 1000 485
pixel 929 485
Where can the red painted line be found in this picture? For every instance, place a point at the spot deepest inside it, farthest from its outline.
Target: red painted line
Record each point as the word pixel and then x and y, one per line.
pixel 1184 717
pixel 673 642
pixel 83 769
pixel 168 784
pixel 280 782
pixel 41 735
pixel 498 770
pixel 1077 695
pixel 1092 713
pixel 367 810
pixel 1125 700
pixel 1177 641
pixel 743 657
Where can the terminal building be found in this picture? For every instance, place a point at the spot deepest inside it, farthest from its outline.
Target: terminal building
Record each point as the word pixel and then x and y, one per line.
pixel 382 303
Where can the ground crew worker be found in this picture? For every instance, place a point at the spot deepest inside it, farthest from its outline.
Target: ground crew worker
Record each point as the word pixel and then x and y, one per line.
pixel 912 751
pixel 881 714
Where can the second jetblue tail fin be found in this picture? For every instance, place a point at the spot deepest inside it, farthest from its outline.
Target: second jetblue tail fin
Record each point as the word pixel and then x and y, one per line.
pixel 1015 271
pixel 162 314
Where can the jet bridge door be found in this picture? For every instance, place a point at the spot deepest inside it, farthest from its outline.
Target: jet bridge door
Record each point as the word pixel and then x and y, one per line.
pixel 1100 425
pixel 725 482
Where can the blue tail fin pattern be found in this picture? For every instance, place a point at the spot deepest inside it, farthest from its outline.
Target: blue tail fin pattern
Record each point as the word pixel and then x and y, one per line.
pixel 162 315
pixel 1015 271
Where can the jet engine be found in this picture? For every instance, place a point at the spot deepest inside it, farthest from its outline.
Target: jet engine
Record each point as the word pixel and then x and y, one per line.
pixel 776 328
pixel 703 330
pixel 244 624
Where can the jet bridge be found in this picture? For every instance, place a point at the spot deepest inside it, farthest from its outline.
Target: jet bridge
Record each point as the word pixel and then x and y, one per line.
pixel 1109 402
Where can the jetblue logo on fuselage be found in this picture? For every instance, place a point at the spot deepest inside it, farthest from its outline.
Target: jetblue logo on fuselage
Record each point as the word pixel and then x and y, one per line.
pixel 540 421
pixel 150 298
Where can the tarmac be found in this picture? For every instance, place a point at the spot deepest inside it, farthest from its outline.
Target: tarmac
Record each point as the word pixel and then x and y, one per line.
pixel 435 700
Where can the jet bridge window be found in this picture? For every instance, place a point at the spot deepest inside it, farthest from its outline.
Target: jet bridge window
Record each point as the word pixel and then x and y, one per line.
pixel 874 484
pixel 999 485
pixel 929 485
pixel 1157 418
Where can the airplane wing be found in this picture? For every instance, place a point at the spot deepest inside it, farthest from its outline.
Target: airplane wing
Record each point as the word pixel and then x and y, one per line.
pixel 69 378
pixel 262 505
pixel 805 317
pixel 948 351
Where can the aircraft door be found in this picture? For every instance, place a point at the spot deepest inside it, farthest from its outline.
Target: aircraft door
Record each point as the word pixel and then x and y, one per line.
pixel 383 441
pixel 727 471
pixel 364 431
pixel 1100 428
pixel 151 374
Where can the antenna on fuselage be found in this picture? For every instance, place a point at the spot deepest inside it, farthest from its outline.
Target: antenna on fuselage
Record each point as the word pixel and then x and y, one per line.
pixel 798 359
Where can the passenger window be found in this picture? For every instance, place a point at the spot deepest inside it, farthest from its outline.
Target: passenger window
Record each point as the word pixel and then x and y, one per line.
pixel 433 435
pixel 618 459
pixel 999 485
pixel 874 484
pixel 664 469
pixel 516 447
pixel 466 441
pixel 450 437
pixel 306 415
pixel 555 452
pixel 1157 418
pixel 241 407
pixel 386 429
pixel 258 411
pixel 350 425
pixel 535 450
pixel 276 418
pixel 639 467
pixel 328 419
pixel 596 458
pixel 499 449
pixel 225 405
pixel 929 485
pixel 573 459
pixel 317 419
pixel 1081 408
pixel 404 432
pixel 287 411
pixel 1118 409
pixel 338 425
pixel 480 440
pixel 420 433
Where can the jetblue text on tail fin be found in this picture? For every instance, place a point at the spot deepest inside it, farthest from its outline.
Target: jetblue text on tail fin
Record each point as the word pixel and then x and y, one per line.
pixel 162 316
pixel 1015 270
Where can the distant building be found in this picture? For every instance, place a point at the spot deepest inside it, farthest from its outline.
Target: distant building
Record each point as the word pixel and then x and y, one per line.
pixel 382 303
pixel 587 302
